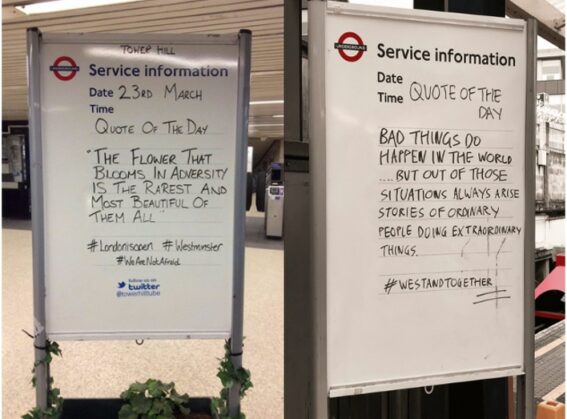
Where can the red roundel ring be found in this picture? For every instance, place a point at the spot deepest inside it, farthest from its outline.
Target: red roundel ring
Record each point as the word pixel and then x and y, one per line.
pixel 71 62
pixel 358 40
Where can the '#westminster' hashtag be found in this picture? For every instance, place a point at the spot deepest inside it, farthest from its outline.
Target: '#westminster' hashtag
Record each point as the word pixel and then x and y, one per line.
pixel 167 245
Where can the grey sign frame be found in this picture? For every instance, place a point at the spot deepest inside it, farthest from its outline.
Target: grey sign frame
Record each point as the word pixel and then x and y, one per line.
pixel 34 41
pixel 318 397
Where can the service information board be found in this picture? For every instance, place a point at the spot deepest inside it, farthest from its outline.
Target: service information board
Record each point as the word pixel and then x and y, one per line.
pixel 139 150
pixel 425 121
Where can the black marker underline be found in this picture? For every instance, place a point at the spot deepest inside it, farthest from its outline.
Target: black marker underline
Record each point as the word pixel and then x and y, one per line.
pixel 491 299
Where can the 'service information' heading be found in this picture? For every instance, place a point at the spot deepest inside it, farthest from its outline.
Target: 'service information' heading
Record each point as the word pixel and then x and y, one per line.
pixel 156 71
pixel 450 55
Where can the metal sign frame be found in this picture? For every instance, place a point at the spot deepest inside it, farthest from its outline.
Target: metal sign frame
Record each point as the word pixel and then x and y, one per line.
pixel 319 396
pixel 34 42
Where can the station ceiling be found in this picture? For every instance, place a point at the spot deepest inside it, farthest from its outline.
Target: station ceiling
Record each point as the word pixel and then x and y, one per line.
pixel 263 17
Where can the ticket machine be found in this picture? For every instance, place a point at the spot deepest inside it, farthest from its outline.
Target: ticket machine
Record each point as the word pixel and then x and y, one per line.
pixel 274 201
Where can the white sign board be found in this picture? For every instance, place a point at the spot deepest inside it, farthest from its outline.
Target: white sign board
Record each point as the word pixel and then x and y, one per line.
pixel 140 150
pixel 423 139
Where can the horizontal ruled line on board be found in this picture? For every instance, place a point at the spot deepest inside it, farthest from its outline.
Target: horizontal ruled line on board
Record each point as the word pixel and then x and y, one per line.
pixel 185 222
pixel 435 290
pixel 453 129
pixel 443 218
pixel 156 210
pixel 173 266
pixel 161 165
pixel 151 236
pixel 144 195
pixel 160 222
pixel 145 253
pixel 156 134
pixel 451 183
pixel 457 200
pixel 448 237
pixel 159 148
pixel 445 272
pixel 499 165
pixel 445 254
pixel 445 148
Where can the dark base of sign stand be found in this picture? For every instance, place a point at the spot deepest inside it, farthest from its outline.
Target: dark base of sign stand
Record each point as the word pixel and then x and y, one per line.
pixel 108 408
pixel 486 399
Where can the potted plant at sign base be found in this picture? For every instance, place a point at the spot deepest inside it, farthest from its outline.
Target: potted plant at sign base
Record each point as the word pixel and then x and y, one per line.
pixel 157 400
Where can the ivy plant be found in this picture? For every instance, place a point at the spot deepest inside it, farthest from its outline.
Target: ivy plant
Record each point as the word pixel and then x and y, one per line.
pixel 229 375
pixel 152 400
pixel 54 407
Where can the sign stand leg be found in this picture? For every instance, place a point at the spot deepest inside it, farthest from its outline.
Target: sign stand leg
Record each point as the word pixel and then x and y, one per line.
pixel 245 37
pixel 40 335
pixel 41 371
pixel 234 393
pixel 525 402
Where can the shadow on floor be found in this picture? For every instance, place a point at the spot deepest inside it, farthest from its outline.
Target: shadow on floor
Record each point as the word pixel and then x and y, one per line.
pixel 16 224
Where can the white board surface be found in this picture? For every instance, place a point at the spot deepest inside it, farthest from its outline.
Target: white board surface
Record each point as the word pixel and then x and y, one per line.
pixel 424 142
pixel 139 150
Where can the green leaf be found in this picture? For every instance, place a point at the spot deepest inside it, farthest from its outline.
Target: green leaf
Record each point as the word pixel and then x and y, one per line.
pixel 226 379
pixel 34 413
pixel 159 406
pixel 155 388
pixel 215 405
pixel 125 395
pixel 184 410
pixel 127 413
pixel 167 408
pixel 140 403
pixel 137 387
pixel 179 399
pixel 53 348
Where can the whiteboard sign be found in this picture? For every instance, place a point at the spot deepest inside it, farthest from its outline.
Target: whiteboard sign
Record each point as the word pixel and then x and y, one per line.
pixel 140 157
pixel 423 140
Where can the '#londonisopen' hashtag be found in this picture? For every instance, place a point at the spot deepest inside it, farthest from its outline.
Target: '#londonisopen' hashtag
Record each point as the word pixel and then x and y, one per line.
pixel 92 245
